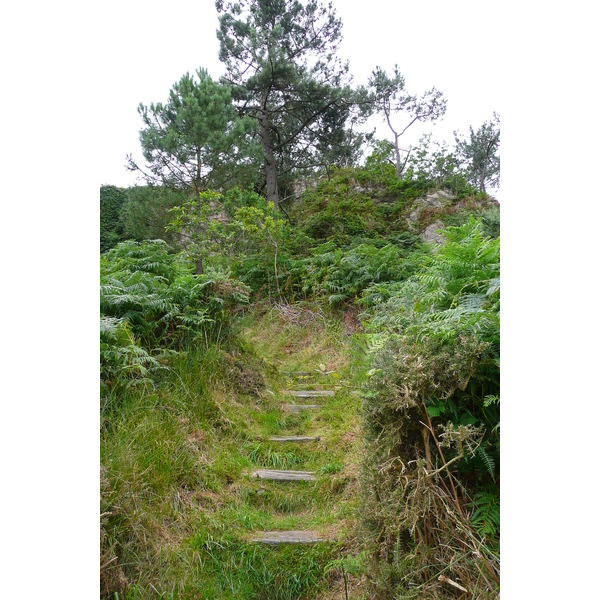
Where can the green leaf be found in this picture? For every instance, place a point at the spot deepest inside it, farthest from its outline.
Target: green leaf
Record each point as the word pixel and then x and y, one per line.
pixel 433 411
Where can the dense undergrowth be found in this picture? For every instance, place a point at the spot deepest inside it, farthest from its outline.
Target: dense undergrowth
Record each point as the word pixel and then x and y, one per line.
pixel 342 284
pixel 177 504
pixel 431 421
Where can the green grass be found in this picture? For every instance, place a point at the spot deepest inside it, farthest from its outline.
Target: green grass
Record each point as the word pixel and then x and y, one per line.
pixel 179 505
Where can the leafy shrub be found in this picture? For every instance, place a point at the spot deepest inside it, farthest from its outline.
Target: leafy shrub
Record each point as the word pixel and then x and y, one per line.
pixel 431 417
pixel 150 301
pixel 111 204
pixel 240 231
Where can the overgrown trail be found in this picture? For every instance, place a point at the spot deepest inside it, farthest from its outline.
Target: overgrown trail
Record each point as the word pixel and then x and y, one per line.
pixel 294 434
pixel 306 454
pixel 221 484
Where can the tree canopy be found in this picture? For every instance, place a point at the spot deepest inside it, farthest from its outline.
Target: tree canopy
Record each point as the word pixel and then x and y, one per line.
pixel 196 138
pixel 389 96
pixel 282 65
pixel 479 154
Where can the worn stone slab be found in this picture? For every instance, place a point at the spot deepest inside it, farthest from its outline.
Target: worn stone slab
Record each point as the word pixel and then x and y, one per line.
pixel 294 438
pixel 276 475
pixel 296 408
pixel 309 393
pixel 297 373
pixel 275 538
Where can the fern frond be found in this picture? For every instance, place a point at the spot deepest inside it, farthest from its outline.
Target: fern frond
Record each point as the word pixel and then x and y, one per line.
pixel 488 461
pixel 376 341
pixel 490 399
pixel 486 516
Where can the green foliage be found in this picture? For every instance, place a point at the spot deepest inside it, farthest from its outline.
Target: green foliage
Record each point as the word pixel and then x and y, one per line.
pixel 380 178
pixel 121 358
pixel 281 58
pixel 490 221
pixel 150 301
pixel 389 96
pixel 433 162
pixel 486 514
pixel 342 216
pixel 479 154
pixel 200 223
pixel 243 232
pixel 259 233
pixel 111 204
pixel 196 139
pixel 364 202
pixel 146 212
pixel 344 275
pixel 457 289
pixel 435 339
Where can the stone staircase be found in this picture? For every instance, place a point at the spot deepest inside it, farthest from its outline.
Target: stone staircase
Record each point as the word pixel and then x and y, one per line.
pixel 276 538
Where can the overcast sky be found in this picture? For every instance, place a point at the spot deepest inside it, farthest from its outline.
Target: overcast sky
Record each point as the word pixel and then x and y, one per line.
pixel 449 45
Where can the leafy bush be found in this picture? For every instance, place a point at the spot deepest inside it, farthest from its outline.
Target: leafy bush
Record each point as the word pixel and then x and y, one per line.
pixel 111 204
pixel 242 232
pixel 151 301
pixel 432 418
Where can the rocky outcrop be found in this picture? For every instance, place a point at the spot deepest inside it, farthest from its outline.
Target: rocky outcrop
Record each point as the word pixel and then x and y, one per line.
pixel 439 199
pixel 433 233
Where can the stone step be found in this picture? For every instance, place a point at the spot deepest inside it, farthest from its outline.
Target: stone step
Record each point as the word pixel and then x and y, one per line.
pixel 296 408
pixel 294 438
pixel 309 393
pixel 276 475
pixel 297 373
pixel 275 538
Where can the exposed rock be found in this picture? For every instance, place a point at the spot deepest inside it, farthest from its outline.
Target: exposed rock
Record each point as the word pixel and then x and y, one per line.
pixel 437 199
pixel 218 213
pixel 433 233
pixel 301 184
pixel 442 195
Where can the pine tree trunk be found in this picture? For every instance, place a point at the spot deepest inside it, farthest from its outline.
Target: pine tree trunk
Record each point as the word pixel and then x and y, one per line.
pixel 398 165
pixel 270 166
pixel 198 180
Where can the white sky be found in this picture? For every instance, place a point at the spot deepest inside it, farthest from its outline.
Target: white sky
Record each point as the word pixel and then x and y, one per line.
pixel 434 44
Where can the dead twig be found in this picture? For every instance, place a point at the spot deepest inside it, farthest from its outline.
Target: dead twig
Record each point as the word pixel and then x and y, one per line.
pixel 452 583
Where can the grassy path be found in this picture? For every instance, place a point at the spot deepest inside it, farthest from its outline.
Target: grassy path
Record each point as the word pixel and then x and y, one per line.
pixel 310 358
pixel 182 506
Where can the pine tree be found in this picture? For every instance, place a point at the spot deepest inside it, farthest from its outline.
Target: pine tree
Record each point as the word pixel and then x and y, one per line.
pixel 281 64
pixel 479 154
pixel 195 139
